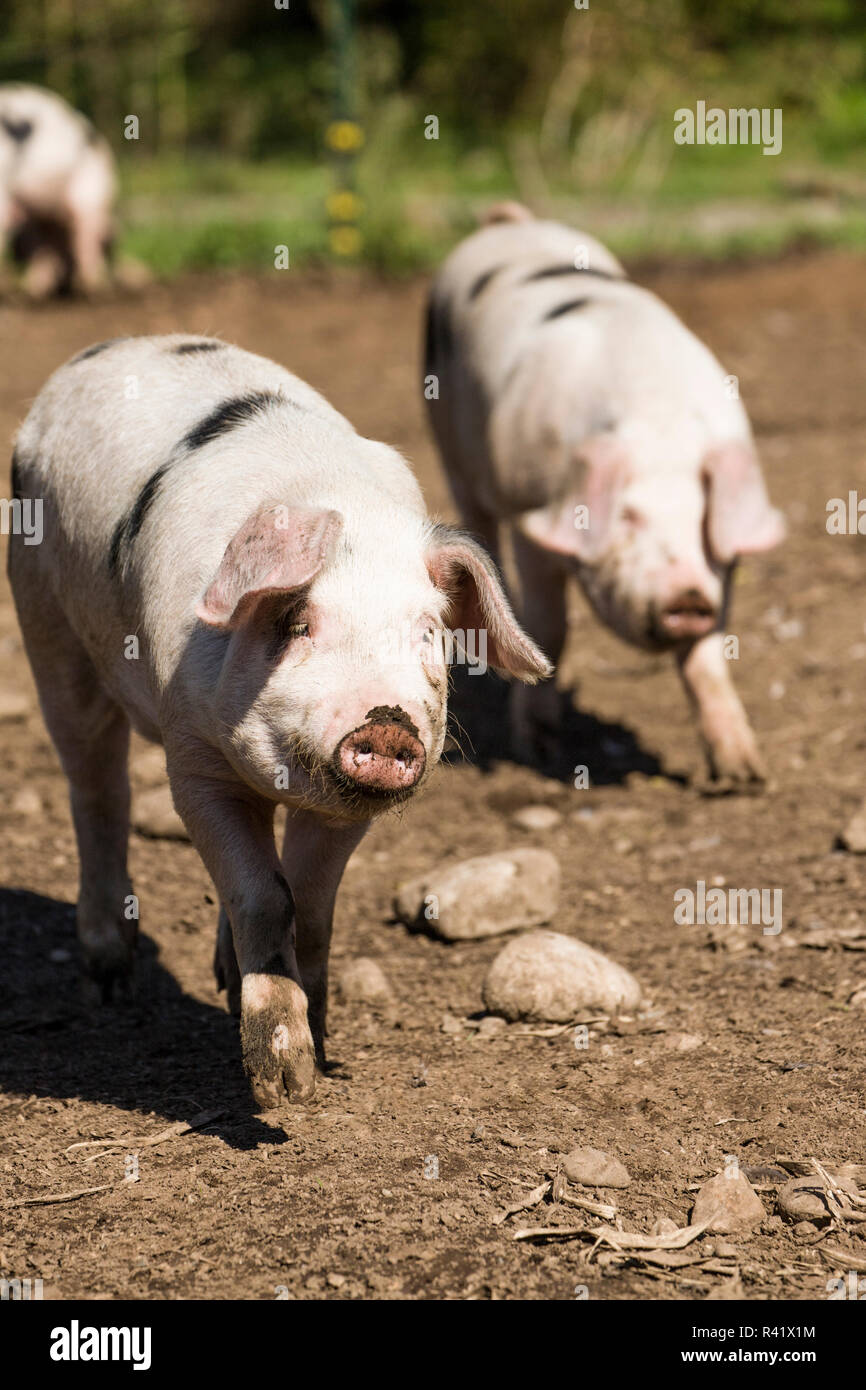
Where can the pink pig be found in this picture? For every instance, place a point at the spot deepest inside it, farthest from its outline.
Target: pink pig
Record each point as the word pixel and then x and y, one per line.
pixel 228 568
pixel 573 406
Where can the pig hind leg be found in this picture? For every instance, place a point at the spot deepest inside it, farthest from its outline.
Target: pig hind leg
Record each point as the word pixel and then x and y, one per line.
pixel 91 735
pixel 536 710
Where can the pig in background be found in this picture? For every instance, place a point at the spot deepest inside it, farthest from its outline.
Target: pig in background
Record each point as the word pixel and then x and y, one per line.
pixel 223 561
pixel 57 191
pixel 576 408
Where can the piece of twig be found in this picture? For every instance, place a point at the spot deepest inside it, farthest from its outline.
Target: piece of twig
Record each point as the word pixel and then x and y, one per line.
pixel 529 1201
pixel 60 1196
pixel 133 1142
pixel 602 1209
pixel 843 1259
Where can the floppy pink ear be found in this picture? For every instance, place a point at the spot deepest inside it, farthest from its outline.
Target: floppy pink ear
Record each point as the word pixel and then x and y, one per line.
pixel 740 519
pixel 462 570
pixel 277 550
pixel 579 524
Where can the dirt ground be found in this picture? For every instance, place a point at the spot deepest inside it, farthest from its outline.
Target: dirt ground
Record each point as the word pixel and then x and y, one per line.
pixel 749 1047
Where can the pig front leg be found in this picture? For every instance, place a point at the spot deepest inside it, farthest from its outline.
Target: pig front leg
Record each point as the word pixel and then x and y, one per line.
pixel 730 744
pixel 233 831
pixel 89 234
pixel 535 709
pixel 314 857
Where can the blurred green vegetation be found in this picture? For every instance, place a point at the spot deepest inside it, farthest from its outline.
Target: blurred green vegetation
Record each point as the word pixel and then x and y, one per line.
pixel 570 110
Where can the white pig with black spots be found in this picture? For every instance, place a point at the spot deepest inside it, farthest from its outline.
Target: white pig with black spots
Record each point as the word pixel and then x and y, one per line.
pixel 263 555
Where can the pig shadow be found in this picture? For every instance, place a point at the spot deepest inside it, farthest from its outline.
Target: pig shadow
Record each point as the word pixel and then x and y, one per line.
pixel 479 727
pixel 162 1052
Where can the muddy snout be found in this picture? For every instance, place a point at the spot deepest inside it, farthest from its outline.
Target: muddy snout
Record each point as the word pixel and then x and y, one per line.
pixel 380 759
pixel 687 615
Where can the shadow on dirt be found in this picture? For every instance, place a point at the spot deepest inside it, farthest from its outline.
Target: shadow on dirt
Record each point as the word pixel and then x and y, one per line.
pixel 478 724
pixel 163 1052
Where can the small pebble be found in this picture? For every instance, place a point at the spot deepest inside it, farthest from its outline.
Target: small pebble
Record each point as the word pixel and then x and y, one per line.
pixel 537 818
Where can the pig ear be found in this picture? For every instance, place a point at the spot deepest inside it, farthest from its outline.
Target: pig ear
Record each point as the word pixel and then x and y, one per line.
pixel 579 524
pixel 463 571
pixel 740 519
pixel 276 551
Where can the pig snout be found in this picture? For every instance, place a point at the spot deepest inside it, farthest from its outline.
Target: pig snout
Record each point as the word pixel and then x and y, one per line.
pixel 380 759
pixel 687 615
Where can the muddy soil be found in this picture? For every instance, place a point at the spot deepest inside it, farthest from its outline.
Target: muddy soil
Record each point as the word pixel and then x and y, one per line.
pixel 751 1048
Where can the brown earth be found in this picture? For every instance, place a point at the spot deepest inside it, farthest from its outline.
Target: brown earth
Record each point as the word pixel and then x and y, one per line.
pixel 333 1201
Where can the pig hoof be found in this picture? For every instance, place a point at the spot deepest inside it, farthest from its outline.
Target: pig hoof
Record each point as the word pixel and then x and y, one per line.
pixel 278 1053
pixel 108 975
pixel 734 771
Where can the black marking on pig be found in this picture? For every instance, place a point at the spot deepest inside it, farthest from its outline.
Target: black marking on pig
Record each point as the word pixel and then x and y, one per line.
pixel 483 281
pixel 550 271
pixel 391 714
pixel 565 308
pixel 210 346
pixel 228 415
pixel 129 525
pixel 19 131
pixel 95 349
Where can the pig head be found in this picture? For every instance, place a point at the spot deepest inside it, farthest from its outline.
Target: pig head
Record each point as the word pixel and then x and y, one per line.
pixel 333 682
pixel 654 552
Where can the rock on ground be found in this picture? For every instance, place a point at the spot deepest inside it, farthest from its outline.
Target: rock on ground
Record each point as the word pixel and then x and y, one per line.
pixel 544 976
pixel 853 837
pixel 485 896
pixel 731 1205
pixel 593 1168
pixel 363 981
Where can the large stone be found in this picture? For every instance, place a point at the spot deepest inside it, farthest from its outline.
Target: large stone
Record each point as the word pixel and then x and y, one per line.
pixel 487 896
pixel 730 1204
pixel 544 976
pixel 593 1168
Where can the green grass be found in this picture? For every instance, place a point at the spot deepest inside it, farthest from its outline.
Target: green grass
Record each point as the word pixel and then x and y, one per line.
pixel 419 197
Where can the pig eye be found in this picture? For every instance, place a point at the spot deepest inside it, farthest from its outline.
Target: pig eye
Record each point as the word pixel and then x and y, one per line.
pixel 290 626
pixel 633 518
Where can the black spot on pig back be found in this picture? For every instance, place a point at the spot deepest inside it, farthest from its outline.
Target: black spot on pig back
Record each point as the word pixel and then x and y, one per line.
pixel 95 349
pixel 550 272
pixel 480 285
pixel 211 345
pixel 566 308
pixel 129 525
pixel 228 416
pixel 19 131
